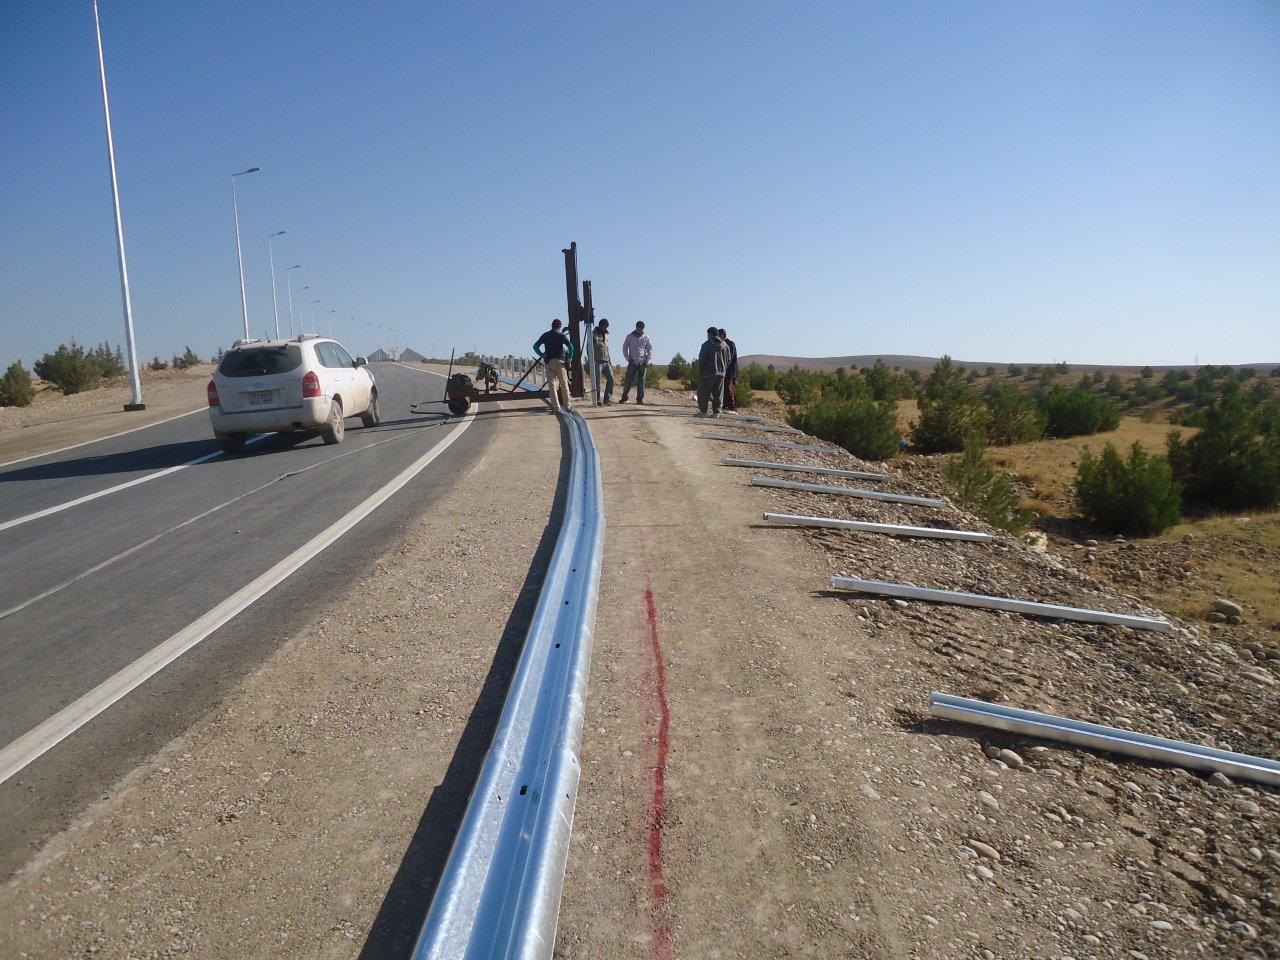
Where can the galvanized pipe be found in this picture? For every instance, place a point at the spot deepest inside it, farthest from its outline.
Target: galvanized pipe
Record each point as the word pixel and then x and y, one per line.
pixel 763 427
pixel 846 491
pixel 499 894
pixel 804 468
pixel 1028 607
pixel 892 529
pixel 785 444
pixel 1242 766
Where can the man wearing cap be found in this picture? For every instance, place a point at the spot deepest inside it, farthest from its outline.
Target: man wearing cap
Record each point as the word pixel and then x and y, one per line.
pixel 713 361
pixel 604 363
pixel 554 348
pixel 636 350
pixel 730 374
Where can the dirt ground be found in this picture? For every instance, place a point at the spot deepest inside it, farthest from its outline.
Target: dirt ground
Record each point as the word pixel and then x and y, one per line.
pixel 760 775
pixel 55 421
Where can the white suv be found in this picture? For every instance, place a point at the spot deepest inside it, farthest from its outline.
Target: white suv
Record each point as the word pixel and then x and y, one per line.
pixel 312 383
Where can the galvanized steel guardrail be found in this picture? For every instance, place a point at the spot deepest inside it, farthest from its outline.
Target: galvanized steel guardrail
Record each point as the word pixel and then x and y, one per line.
pixel 499 895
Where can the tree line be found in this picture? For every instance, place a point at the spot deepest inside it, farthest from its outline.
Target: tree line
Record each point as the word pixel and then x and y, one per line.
pixel 73 368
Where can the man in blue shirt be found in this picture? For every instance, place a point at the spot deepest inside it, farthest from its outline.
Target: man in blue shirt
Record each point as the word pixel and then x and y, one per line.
pixel 555 350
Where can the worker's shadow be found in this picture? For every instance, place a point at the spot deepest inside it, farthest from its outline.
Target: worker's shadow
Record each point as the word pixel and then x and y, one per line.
pixel 399 920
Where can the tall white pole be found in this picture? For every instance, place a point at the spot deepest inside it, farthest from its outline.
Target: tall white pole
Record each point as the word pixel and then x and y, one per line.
pixel 275 305
pixel 288 275
pixel 235 214
pixel 132 352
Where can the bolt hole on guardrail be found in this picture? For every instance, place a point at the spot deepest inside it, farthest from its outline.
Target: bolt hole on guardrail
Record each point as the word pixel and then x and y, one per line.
pixel 499 894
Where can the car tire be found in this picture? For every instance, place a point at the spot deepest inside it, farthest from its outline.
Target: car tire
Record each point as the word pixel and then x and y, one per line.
pixel 372 417
pixel 230 442
pixel 333 431
pixel 459 405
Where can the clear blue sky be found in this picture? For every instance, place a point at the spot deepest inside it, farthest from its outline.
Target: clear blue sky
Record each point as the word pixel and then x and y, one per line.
pixel 1026 181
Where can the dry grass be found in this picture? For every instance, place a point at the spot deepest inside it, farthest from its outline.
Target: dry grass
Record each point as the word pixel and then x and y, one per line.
pixel 1047 468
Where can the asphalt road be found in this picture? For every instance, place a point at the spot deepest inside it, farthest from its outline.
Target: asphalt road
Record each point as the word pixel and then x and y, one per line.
pixel 105 557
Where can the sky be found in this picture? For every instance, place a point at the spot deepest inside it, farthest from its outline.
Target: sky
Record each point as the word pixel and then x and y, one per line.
pixel 1095 182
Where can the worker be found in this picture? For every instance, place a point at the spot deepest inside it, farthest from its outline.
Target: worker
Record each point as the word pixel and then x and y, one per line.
pixel 731 374
pixel 713 361
pixel 555 350
pixel 636 350
pixel 604 363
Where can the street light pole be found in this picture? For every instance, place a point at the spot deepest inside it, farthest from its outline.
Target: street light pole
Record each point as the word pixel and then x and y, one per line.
pixel 315 327
pixel 135 384
pixel 235 213
pixel 331 313
pixel 302 315
pixel 275 305
pixel 289 284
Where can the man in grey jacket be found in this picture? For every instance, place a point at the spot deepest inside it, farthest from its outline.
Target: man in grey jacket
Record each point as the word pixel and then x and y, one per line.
pixel 604 363
pixel 713 363
pixel 637 351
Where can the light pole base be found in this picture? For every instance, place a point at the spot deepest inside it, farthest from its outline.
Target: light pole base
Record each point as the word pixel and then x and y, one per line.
pixel 131 407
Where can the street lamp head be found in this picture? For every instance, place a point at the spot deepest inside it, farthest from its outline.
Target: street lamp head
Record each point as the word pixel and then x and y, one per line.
pixel 296 266
pixel 250 170
pixel 278 233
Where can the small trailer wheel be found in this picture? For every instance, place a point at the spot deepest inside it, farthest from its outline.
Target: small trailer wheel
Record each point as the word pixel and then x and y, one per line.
pixel 459 405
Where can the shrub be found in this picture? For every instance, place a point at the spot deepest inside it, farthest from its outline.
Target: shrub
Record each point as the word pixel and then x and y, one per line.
pixel 157 365
pixel 1233 462
pixel 1134 495
pixel 1078 412
pixel 16 389
pixel 757 377
pixel 68 368
pixel 677 367
pixel 884 384
pixel 866 428
pixel 1011 416
pixel 797 386
pixel 980 488
pixel 652 376
pixel 188 359
pixel 950 412
pixel 745 395
pixel 110 363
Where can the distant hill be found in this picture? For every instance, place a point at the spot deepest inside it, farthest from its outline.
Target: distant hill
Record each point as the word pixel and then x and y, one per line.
pixel 412 356
pixel 926 364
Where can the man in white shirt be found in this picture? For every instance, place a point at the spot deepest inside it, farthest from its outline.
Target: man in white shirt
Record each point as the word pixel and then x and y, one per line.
pixel 637 350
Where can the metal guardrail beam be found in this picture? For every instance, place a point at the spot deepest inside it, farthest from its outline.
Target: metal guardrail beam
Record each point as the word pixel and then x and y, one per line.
pixel 1028 607
pixel 892 529
pixel 804 468
pixel 847 491
pixel 499 895
pixel 760 442
pixel 763 427
pixel 1242 766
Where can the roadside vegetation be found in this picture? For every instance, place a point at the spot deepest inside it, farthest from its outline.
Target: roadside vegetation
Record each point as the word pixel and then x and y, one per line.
pixel 72 368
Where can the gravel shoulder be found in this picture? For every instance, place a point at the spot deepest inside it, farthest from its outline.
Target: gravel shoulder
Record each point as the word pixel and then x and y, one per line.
pixel 310 813
pixel 56 422
pixel 761 777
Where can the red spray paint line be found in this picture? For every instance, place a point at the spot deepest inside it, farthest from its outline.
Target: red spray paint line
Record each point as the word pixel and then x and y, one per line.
pixel 657 878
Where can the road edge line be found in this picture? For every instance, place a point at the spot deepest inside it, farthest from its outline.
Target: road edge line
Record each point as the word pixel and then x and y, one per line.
pixel 45 736
pixel 111 436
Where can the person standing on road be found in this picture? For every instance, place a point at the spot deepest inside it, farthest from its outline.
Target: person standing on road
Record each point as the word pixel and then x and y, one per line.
pixel 636 350
pixel 713 361
pixel 731 373
pixel 555 350
pixel 604 363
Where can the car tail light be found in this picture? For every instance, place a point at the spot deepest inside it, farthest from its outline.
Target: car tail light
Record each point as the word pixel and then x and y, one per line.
pixel 310 385
pixel 213 394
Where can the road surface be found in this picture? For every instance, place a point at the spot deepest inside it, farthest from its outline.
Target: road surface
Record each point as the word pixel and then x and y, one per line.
pixel 122 560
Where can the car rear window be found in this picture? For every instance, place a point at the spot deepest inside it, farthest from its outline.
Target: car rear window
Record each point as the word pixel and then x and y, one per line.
pixel 260 361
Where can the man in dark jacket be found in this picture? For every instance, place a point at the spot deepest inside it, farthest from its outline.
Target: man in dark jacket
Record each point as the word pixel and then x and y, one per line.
pixel 713 361
pixel 602 360
pixel 731 374
pixel 555 349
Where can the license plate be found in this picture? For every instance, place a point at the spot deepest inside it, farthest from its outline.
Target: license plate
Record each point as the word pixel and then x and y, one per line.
pixel 261 398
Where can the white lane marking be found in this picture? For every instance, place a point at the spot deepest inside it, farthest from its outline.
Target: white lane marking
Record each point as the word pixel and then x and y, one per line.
pixel 44 737
pixel 186 523
pixel 111 436
pixel 59 507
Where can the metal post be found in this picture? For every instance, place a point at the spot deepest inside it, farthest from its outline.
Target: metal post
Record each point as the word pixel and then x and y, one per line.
pixel 589 352
pixel 135 384
pixel 575 318
pixel 289 284
pixel 235 214
pixel 275 305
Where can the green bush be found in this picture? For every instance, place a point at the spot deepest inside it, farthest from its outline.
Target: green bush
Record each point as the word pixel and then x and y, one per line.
pixel 1136 495
pixel 188 359
pixel 950 411
pixel 757 377
pixel 981 489
pixel 69 369
pixel 745 395
pixel 677 367
pixel 110 363
pixel 1078 412
pixel 652 376
pixel 1233 463
pixel 866 428
pixel 798 387
pixel 1011 416
pixel 156 365
pixel 16 389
